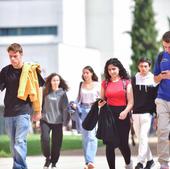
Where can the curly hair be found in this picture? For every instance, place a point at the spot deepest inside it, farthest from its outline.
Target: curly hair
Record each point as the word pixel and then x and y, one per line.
pixel 94 76
pixel 115 62
pixel 48 87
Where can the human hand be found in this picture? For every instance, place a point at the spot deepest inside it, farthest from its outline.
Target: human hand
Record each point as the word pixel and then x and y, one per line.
pixel 36 116
pixel 155 123
pixel 165 74
pixel 101 103
pixel 122 115
pixel 74 106
pixel 64 128
pixel 37 124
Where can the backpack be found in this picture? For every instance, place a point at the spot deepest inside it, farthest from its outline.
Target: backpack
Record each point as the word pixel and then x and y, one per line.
pixel 160 56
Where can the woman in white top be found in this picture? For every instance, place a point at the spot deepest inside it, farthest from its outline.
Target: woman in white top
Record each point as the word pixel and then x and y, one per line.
pixel 89 92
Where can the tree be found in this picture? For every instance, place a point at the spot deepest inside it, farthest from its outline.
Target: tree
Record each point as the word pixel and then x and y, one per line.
pixel 169 22
pixel 143 33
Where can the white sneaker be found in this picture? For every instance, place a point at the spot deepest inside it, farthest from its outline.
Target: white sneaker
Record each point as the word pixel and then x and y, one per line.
pixel 53 167
pixel 45 167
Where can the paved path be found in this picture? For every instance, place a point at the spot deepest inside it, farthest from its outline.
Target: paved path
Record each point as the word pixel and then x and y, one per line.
pixel 74 159
pixel 66 162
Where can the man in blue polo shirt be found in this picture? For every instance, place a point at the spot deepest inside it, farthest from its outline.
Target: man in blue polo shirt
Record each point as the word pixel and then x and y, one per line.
pixel 162 76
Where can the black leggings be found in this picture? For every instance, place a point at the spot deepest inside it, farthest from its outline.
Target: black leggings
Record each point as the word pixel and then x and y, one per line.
pixel 123 127
pixel 51 152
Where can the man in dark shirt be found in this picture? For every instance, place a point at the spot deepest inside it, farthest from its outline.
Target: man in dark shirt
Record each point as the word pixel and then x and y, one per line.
pixel 144 93
pixel 17 112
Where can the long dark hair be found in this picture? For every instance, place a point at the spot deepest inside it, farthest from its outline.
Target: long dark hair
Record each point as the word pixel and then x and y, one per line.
pixel 115 62
pixel 48 87
pixel 94 76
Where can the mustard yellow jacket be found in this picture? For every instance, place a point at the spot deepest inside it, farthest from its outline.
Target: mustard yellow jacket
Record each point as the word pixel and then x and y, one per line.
pixel 29 86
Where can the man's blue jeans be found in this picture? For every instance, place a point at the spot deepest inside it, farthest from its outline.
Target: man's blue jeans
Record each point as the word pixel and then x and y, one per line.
pixel 17 128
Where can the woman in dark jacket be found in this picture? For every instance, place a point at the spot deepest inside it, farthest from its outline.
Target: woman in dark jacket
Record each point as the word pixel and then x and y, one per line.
pixel 116 91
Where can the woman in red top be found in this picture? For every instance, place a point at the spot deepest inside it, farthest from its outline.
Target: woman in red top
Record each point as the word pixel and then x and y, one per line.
pixel 117 92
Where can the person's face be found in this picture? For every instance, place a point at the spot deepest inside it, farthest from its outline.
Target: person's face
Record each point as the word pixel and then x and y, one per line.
pixel 87 75
pixel 15 59
pixel 144 68
pixel 166 46
pixel 113 71
pixel 55 81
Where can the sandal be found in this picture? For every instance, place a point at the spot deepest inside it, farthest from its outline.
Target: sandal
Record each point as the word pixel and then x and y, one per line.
pixel 91 165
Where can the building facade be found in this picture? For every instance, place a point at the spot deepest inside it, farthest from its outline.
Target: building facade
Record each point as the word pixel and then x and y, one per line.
pixel 64 36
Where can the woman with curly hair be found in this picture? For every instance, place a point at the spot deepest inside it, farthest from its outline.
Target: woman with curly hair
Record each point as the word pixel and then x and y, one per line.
pixel 116 91
pixel 54 116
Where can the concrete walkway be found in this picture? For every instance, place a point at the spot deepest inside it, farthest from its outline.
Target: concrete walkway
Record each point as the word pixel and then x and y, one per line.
pixel 67 162
pixel 75 160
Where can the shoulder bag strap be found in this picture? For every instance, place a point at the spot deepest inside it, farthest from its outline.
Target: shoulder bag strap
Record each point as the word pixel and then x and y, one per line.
pixel 78 98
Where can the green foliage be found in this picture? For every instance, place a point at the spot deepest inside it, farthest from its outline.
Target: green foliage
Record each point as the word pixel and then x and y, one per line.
pixel 143 33
pixel 168 22
pixel 4 146
pixel 70 142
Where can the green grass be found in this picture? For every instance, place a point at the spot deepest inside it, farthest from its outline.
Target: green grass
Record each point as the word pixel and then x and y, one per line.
pixel 70 142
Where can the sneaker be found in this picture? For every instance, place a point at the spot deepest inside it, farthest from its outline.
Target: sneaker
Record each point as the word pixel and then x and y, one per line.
pixel 47 163
pixel 45 167
pixel 53 166
pixel 164 167
pixel 149 164
pixel 90 165
pixel 139 166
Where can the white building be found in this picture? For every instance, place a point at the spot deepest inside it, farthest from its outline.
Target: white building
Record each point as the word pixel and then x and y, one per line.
pixel 66 35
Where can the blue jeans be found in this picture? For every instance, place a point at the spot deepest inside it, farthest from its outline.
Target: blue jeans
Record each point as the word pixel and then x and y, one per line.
pixel 17 128
pixel 89 138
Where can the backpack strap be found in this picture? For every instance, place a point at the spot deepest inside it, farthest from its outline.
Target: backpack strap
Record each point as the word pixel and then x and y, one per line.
pixel 124 85
pixel 160 56
pixel 125 88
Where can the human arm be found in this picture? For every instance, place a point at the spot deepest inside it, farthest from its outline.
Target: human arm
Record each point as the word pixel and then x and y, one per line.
pixel 102 101
pixel 37 115
pixel 157 71
pixel 78 100
pixel 130 103
pixel 66 115
pixel 158 78
pixel 163 75
pixel 2 80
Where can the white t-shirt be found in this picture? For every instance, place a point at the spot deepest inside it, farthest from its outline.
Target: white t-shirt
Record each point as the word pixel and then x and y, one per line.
pixel 90 95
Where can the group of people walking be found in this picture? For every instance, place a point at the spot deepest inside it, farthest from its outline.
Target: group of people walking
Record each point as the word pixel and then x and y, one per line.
pixel 128 99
